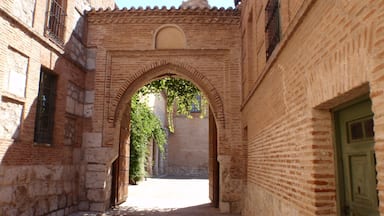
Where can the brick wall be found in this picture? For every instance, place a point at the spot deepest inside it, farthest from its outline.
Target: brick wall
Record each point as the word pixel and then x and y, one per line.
pixel 39 179
pixel 125 60
pixel 329 56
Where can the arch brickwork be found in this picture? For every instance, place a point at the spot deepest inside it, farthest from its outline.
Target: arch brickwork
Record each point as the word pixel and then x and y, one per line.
pixel 123 58
pixel 163 69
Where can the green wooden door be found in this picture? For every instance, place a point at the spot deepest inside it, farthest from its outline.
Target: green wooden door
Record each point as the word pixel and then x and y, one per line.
pixel 357 155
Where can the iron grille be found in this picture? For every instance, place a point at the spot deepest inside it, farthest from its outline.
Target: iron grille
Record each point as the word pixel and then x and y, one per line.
pixel 45 108
pixel 196 108
pixel 272 27
pixel 56 21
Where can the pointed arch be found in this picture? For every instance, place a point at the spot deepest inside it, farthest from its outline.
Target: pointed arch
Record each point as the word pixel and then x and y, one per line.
pixel 165 68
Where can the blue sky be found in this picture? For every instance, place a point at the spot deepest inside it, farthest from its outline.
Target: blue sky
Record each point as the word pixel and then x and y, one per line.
pixel 169 3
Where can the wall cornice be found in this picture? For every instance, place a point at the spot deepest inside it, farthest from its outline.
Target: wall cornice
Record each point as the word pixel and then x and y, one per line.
pixel 178 16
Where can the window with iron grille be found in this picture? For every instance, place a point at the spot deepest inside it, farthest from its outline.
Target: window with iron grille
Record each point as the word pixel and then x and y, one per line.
pixel 45 108
pixel 56 20
pixel 196 108
pixel 272 26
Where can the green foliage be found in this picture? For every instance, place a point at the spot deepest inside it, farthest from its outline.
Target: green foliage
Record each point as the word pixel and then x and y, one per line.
pixel 145 126
pixel 179 93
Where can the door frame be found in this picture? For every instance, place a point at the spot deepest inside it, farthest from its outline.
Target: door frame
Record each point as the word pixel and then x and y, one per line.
pixel 339 167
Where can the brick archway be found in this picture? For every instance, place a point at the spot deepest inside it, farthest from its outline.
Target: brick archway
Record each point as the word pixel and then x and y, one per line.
pixel 164 68
pixel 123 58
pixel 147 74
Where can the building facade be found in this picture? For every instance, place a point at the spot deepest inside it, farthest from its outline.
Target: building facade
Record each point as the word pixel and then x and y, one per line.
pixel 312 107
pixel 43 71
pixel 295 87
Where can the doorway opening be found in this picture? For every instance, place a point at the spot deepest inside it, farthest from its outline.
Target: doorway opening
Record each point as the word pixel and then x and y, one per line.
pixel 356 159
pixel 190 151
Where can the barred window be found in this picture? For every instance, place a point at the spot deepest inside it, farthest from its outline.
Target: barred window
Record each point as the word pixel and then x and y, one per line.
pixel 56 20
pixel 45 108
pixel 272 26
pixel 196 108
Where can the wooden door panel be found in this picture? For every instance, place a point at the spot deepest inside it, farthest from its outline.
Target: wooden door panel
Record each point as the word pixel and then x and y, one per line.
pixel 356 145
pixel 360 182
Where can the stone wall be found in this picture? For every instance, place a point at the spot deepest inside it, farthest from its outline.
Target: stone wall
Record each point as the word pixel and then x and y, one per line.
pixel 328 57
pixel 188 147
pixel 11 118
pixel 38 190
pixel 39 179
pixel 24 11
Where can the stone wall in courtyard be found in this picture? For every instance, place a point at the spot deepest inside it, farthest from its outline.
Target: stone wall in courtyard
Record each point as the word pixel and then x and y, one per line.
pixel 188 147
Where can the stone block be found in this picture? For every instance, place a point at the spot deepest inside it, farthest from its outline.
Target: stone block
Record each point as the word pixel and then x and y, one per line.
pixel 41 207
pixel 88 110
pixel 62 201
pixel 57 173
pixel 79 109
pixel 6 194
pixel 52 214
pixel 38 188
pixel 83 205
pixel 67 211
pixel 9 210
pixel 91 59
pixel 77 156
pixel 67 187
pixel 10 118
pixel 28 212
pixel 92 140
pixel 43 172
pixel 60 212
pixel 53 203
pixel 224 207
pixel 89 97
pixel 21 195
pixel 97 167
pixel 70 106
pixel 70 199
pixel 96 195
pixel 95 179
pixel 95 155
pixel 97 207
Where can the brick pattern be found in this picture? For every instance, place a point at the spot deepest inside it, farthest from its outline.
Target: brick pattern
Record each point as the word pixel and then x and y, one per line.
pixel 39 180
pixel 331 56
pixel 125 60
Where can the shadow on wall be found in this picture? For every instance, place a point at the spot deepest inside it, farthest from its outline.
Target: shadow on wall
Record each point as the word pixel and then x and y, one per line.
pixel 41 178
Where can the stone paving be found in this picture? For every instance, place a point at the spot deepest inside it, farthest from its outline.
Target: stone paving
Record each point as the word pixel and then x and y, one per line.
pixel 165 197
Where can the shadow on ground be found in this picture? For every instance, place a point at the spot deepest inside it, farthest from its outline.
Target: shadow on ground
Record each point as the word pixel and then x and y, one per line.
pixel 200 210
pixel 165 197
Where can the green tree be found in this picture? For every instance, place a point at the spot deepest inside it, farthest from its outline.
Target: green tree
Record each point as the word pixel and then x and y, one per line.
pixel 179 93
pixel 145 126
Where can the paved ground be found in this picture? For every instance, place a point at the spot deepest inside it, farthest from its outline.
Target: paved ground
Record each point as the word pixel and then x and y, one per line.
pixel 170 197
